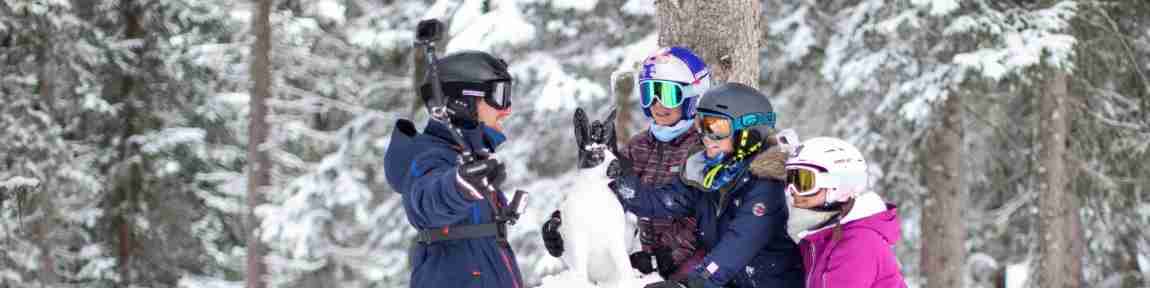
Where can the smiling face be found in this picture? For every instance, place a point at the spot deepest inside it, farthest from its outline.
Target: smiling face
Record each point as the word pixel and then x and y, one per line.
pixel 665 116
pixel 490 116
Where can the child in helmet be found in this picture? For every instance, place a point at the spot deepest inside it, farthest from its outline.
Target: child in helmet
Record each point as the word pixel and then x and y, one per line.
pixel 669 86
pixel 853 248
pixel 462 240
pixel 734 188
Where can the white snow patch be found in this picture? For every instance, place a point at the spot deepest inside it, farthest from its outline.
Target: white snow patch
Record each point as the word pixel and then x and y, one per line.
pixel 1017 275
pixel 95 103
pixel 167 138
pixel 1144 264
pixel 560 90
pixel 503 25
pixel 577 5
pixel 937 7
pixel 19 181
pixel 568 279
pixel 331 10
pixel 799 40
pixel 189 281
pixel 639 7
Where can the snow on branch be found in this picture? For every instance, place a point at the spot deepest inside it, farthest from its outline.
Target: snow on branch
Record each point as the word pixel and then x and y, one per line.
pixel 1023 39
pixel 155 142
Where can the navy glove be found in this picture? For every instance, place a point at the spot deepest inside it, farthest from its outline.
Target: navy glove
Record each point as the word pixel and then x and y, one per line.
pixel 552 240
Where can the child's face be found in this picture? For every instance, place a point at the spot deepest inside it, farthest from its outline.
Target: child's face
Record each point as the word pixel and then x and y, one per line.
pixel 665 116
pixel 809 201
pixel 714 147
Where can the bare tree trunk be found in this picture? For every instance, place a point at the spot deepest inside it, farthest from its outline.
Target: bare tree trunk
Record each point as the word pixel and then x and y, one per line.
pixel 622 89
pixel 1058 266
pixel 724 32
pixel 259 165
pixel 942 227
pixel 47 88
pixel 126 204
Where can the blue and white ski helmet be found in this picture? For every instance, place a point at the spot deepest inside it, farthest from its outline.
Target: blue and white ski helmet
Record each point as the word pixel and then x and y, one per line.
pixel 681 65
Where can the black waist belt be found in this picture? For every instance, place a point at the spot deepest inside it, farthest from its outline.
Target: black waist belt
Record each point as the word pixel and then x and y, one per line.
pixel 461 232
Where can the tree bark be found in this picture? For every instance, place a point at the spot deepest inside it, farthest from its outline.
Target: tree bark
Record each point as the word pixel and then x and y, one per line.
pixel 942 228
pixel 725 33
pixel 258 163
pixel 125 205
pixel 1058 266
pixel 622 90
pixel 46 88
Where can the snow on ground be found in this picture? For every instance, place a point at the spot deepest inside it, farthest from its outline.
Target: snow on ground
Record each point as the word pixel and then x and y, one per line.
pixel 567 279
pixel 1017 275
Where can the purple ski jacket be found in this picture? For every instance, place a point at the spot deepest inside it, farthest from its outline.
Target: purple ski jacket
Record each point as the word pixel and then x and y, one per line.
pixel 861 255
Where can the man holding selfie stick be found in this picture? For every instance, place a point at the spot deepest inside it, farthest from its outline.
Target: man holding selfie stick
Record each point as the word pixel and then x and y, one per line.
pixel 449 176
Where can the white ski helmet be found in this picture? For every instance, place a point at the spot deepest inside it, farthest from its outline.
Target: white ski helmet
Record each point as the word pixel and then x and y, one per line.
pixel 680 65
pixel 837 166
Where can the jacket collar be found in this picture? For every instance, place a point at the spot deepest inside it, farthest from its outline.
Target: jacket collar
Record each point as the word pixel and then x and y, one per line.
pixel 475 137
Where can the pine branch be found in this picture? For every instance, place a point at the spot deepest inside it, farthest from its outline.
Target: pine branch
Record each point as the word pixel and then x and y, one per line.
pixel 1125 45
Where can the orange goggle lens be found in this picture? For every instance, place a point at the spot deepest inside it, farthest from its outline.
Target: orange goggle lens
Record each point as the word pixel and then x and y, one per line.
pixel 715 127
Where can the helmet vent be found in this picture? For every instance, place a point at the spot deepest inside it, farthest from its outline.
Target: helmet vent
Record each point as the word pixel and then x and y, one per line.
pixel 722 106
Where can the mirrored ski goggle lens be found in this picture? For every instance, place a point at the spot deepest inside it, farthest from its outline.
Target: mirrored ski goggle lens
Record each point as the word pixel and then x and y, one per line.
pixel 667 92
pixel 500 96
pixel 715 127
pixel 803 181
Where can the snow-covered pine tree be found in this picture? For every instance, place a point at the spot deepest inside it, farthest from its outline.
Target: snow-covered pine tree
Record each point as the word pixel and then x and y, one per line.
pixel 51 170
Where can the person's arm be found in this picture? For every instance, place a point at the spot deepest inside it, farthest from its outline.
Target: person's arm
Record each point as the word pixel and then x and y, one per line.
pixel 669 200
pixel 762 214
pixel 435 198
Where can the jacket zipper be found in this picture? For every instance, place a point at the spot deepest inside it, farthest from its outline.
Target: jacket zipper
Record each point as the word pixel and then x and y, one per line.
pixel 659 151
pixel 812 272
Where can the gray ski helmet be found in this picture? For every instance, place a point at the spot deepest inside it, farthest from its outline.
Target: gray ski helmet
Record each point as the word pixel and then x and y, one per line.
pixel 466 70
pixel 748 109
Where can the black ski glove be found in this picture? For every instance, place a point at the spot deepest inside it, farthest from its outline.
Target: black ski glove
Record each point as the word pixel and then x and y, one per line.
pixel 620 167
pixel 475 178
pixel 552 240
pixel 665 262
pixel 691 282
pixel 643 262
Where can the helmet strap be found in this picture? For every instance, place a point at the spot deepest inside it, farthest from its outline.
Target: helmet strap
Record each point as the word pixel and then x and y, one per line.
pixel 747 143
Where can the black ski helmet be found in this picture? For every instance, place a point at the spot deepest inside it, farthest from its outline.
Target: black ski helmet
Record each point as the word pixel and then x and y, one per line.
pixel 751 113
pixel 466 70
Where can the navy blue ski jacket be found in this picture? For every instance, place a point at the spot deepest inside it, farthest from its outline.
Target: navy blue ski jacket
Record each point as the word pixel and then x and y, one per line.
pixel 742 226
pixel 431 201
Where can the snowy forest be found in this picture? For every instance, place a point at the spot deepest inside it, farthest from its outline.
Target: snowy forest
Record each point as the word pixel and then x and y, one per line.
pixel 160 143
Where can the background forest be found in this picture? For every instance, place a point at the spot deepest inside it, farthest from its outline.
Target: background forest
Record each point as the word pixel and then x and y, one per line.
pixel 1013 134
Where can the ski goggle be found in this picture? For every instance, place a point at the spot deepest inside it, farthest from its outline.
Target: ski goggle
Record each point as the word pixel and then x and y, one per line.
pixel 669 93
pixel 715 127
pixel 496 94
pixel 803 181
pixel 500 95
